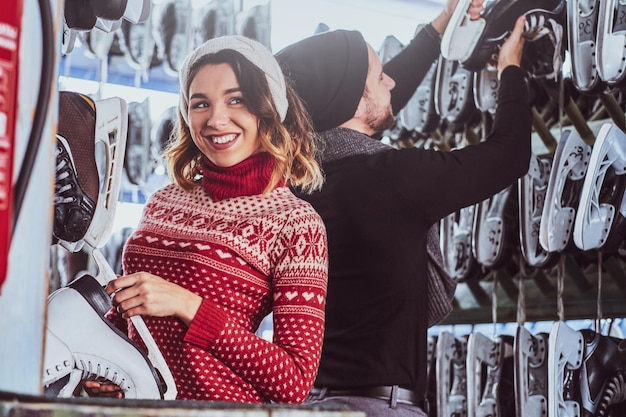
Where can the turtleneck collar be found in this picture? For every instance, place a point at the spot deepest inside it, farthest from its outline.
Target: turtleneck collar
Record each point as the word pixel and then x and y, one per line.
pixel 249 177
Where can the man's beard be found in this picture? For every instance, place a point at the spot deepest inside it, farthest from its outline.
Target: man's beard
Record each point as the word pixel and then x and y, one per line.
pixel 379 122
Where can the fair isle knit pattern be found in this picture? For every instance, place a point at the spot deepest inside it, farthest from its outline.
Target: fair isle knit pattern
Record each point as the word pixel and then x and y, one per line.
pixel 247 256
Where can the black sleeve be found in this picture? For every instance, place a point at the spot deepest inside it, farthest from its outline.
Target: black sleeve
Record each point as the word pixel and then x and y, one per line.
pixel 409 67
pixel 436 183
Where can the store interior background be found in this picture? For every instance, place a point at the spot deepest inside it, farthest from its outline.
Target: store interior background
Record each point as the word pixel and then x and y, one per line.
pixel 290 21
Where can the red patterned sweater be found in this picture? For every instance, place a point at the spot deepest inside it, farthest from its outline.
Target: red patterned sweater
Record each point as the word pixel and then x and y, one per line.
pixel 247 256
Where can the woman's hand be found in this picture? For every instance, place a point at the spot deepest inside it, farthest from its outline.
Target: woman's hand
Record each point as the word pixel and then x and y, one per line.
pixel 102 389
pixel 511 50
pixel 146 294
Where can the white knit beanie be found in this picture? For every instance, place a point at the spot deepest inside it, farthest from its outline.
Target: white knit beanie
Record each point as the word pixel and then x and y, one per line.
pixel 255 52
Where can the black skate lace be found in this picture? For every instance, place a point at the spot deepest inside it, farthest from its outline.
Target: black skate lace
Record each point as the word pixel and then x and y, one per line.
pixel 65 181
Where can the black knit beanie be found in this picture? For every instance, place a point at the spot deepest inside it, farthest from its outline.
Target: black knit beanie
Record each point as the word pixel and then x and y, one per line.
pixel 328 71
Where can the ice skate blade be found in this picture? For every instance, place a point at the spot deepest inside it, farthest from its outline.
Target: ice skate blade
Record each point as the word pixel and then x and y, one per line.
pixel 565 355
pixel 531 373
pixel 594 218
pixel 462 34
pixel 450 365
pixel 611 40
pixel 569 165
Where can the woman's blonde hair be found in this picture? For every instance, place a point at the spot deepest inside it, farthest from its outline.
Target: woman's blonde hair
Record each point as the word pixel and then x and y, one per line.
pixel 292 142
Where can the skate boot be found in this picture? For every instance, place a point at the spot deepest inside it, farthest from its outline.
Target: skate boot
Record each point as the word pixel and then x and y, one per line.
pixel 453 93
pixel 419 114
pixel 88 347
pixel 563 194
pixel 255 23
pixel 544 51
pixel 565 356
pixel 137 45
pixel 582 40
pixel 600 219
pixel 173 35
pixel 490 376
pixel 495 229
pixel 531 373
pixel 215 18
pixel 79 14
pixel 599 383
pixel 475 42
pixel 76 176
pixel 532 193
pixel 486 90
pixel 451 368
pixel 610 45
pixel 456 244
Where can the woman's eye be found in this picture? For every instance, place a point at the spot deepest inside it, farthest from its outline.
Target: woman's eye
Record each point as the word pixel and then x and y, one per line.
pixel 199 105
pixel 237 100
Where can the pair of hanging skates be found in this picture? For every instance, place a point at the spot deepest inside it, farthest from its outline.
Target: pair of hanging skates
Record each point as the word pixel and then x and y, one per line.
pixel 81 344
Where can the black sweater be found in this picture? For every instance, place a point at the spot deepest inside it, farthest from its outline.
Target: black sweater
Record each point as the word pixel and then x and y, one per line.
pixel 377 210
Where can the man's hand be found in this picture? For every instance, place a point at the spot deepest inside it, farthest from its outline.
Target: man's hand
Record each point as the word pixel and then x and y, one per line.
pixel 441 22
pixel 511 50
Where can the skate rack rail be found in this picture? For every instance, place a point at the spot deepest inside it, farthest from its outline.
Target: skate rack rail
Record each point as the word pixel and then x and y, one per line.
pixel 473 302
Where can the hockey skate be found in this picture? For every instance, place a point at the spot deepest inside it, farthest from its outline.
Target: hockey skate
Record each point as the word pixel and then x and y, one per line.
pixel 486 90
pixel 563 194
pixel 456 244
pixel 419 114
pixel 565 356
pixel 531 373
pixel 451 370
pixel 138 45
pixel 490 376
pixel 610 45
pixel 600 219
pixel 594 380
pixel 453 93
pixel 495 225
pixel 93 135
pixel 173 33
pixel 255 23
pixel 532 189
pixel 215 18
pixel 582 39
pixel 475 42
pixel 138 160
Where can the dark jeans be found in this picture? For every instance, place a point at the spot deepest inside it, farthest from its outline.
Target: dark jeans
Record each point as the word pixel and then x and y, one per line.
pixel 372 407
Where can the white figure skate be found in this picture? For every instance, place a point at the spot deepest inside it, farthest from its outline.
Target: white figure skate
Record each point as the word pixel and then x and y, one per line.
pixel 565 356
pixel 563 194
pixel 600 218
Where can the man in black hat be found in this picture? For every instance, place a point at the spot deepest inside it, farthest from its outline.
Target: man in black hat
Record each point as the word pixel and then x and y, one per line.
pixel 379 204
